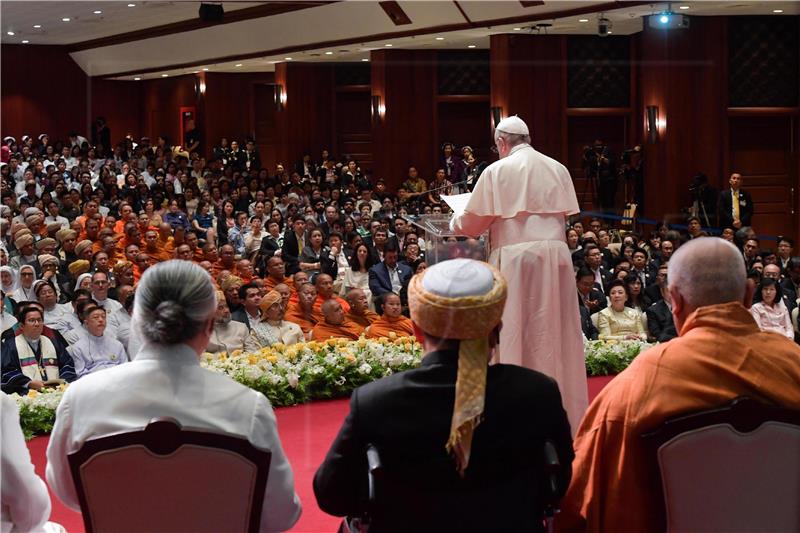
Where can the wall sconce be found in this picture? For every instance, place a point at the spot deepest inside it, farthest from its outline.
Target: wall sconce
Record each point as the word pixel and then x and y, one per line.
pixel 378 109
pixel 497 115
pixel 280 97
pixel 652 123
pixel 202 87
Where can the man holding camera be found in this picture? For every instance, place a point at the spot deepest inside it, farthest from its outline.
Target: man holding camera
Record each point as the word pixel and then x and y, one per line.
pixel 599 165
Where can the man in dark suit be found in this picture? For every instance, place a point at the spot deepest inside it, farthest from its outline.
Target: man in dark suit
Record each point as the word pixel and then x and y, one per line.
pixel 653 292
pixel 293 242
pixel 735 205
pixel 389 275
pixel 250 296
pixel 593 259
pixel 589 297
pixel 660 322
pixel 493 421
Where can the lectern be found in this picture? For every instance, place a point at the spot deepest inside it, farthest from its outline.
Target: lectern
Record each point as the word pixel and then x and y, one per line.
pixel 442 243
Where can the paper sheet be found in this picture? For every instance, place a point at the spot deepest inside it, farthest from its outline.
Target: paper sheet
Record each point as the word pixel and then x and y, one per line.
pixel 457 202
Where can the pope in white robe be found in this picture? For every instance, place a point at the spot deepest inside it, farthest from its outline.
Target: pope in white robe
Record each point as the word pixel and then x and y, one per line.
pixel 523 200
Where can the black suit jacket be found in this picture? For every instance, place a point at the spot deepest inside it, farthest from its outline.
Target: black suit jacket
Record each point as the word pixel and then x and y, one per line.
pixel 726 208
pixel 407 417
pixel 660 322
pixel 240 315
pixel 653 293
pixel 291 252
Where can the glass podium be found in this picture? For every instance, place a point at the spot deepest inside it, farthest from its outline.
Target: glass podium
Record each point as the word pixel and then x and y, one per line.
pixel 442 243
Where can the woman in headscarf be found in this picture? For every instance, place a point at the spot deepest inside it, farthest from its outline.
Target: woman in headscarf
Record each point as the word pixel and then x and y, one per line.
pixel 9 280
pixel 24 293
pixel 84 281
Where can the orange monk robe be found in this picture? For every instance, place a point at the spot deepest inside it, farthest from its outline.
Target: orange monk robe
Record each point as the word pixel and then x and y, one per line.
pixel 218 267
pixel 294 313
pixel 720 354
pixel 167 245
pixel 400 326
pixel 124 243
pixel 363 320
pixel 347 330
pixel 197 256
pixel 159 255
pixel 320 300
pixel 270 282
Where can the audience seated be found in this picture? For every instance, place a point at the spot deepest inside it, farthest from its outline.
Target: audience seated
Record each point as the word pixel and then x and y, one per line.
pixel 228 335
pixel 174 312
pixel 617 321
pixel 301 312
pixel 96 350
pixel 359 308
pixel 272 313
pixel 769 312
pixel 389 275
pixel 439 472
pixel 660 323
pixel 719 355
pixel 334 324
pixel 392 320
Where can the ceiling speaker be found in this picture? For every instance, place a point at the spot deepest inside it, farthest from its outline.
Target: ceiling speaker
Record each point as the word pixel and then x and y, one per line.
pixel 211 12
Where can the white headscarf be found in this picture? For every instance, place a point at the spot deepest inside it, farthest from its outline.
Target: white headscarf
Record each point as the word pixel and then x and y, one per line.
pixel 23 294
pixel 80 279
pixel 11 287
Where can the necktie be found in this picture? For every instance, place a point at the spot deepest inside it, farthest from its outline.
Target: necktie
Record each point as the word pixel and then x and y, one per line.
pixel 735 204
pixel 299 245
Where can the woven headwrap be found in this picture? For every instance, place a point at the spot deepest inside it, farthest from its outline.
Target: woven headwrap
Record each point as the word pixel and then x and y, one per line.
pixel 231 282
pixel 78 267
pixel 81 246
pixel 44 243
pixel 64 234
pixel 269 299
pixel 53 227
pixel 462 300
pixel 120 267
pixel 46 259
pixel 24 239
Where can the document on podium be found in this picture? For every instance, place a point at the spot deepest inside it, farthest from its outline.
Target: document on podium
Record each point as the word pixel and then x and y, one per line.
pixel 457 202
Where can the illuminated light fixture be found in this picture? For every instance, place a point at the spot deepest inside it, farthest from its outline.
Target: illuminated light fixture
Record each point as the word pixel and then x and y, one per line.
pixel 164 75
pixel 280 97
pixel 440 38
pixel 137 79
pixel 97 12
pixel 664 19
pixel 65 19
pixel 583 20
pixel 205 70
pixel 610 32
pixel 777 10
pixel 131 5
pixel 365 60
pixel 203 87
pixel 517 29
pixel 651 123
pixel 378 109
pixel 37 26
pixel 287 58
pixel 25 41
pixel 11 33
pixel 471 46
pixel 683 7
pixel 388 45
pixel 497 115
pixel 328 53
pixel 238 64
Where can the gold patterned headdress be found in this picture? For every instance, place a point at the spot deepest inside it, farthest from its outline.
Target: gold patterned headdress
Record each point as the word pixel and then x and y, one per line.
pixel 461 299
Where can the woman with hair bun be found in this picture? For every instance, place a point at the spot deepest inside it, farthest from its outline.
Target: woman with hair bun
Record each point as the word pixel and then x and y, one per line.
pixel 173 318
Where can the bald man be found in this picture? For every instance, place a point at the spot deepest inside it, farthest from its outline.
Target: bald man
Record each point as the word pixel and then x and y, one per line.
pixel 719 354
pixel 334 325
pixel 285 292
pixel 301 312
pixel 392 321
pixel 276 273
pixel 299 279
pixel 324 286
pixel 359 308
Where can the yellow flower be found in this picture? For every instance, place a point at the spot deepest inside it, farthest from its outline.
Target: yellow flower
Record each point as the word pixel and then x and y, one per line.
pixel 32 393
pixel 272 359
pixel 332 342
pixel 342 342
pixel 392 335
pixel 278 346
pixel 383 340
pixel 362 342
pixel 291 353
pixel 236 353
pixel 252 359
pixel 407 346
pixel 350 357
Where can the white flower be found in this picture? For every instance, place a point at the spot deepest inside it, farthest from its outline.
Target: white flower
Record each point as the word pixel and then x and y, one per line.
pixel 293 379
pixel 365 368
pixel 253 372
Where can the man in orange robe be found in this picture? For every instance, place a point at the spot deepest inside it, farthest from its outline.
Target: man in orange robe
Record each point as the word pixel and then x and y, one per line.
pixel 299 279
pixel 720 354
pixel 334 325
pixel 324 285
pixel 392 320
pixel 276 273
pixel 359 310
pixel 152 249
pixel 301 312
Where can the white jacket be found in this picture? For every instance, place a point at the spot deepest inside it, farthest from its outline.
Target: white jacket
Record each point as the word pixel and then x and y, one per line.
pixel 167 381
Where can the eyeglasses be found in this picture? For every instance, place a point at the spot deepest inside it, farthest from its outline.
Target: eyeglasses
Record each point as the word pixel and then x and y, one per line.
pixel 34 321
pixel 26 275
pixel 100 282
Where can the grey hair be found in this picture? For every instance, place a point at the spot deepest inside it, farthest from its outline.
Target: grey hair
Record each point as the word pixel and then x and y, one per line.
pixel 173 301
pixel 512 139
pixel 707 271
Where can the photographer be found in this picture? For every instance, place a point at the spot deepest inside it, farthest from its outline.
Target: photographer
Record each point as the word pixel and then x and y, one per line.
pixel 704 200
pixel 599 165
pixel 632 171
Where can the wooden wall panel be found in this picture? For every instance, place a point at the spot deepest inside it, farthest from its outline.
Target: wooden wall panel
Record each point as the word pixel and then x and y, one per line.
pixel 466 123
pixel 353 127
pixel 583 131
pixel 43 91
pixel 120 103
pixel 162 100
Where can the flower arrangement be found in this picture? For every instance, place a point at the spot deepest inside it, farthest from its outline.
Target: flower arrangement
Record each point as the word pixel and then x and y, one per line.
pixel 608 357
pixel 37 410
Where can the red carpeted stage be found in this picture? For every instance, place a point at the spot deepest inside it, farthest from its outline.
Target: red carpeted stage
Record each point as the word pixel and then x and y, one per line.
pixel 306 432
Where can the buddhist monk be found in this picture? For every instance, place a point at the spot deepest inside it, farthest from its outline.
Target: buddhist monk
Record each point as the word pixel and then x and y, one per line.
pixel 151 247
pixel 276 273
pixel 301 312
pixel 298 280
pixel 391 321
pixel 359 308
pixel 324 285
pixel 286 294
pixel 226 259
pixel 334 325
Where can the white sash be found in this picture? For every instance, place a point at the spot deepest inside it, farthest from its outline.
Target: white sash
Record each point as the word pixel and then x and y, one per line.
pixel 27 359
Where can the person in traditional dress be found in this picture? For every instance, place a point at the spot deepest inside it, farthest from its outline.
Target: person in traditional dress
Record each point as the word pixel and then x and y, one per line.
pixel 524 200
pixel 459 438
pixel 31 360
pixel 95 350
pixel 720 354
pixel 618 321
pixel 324 285
pixel 360 313
pixel 334 325
pixel 25 292
pixel 286 294
pixel 9 280
pixel 272 312
pixel 120 320
pixel 228 335
pixel 276 273
pixel 301 312
pixel 392 320
pixel 173 314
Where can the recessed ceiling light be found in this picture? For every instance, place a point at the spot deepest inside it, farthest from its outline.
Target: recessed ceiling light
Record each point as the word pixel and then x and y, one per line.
pixel 517 29
pixel 205 70
pixel 610 32
pixel 136 79
pixel 25 41
pixel 364 59
pixel 583 20
pixel 196 72
pixel 65 19
pixel 388 45
pixel 777 10
pixel 684 7
pixel 238 64
pixel 440 38
pixel 131 5
pixel 287 58
pixel 37 26
pixel 11 33
pixel 97 12
pixel 471 46
pixel 328 53
pixel 164 75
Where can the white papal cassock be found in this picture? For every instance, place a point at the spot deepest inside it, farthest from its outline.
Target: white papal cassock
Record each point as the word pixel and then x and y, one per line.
pixel 524 199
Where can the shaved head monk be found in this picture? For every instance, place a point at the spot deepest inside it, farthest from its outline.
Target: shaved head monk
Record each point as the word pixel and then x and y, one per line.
pixel 285 293
pixel 392 320
pixel 359 308
pixel 324 285
pixel 301 312
pixel 334 325
pixel 276 273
